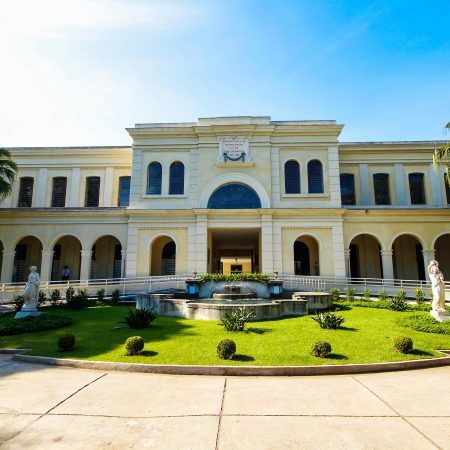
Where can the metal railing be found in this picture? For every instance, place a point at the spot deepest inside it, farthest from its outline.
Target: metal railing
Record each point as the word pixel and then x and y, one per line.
pixel 131 286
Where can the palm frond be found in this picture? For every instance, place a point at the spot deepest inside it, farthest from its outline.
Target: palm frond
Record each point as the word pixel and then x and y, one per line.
pixel 8 173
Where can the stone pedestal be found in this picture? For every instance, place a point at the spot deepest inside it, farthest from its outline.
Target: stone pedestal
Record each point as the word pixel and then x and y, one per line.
pixel 440 316
pixel 25 312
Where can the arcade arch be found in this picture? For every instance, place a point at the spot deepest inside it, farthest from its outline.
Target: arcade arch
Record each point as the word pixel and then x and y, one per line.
pixel 106 259
pixel 163 253
pixel 28 252
pixel 407 258
pixel 306 256
pixel 365 257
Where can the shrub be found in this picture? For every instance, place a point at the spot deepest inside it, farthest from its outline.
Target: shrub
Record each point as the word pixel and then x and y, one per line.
pixel 321 349
pixel 226 349
pixel 78 300
pixel 33 323
pixel 382 295
pixel 425 323
pixel 334 294
pixel 42 297
pixel 419 296
pixel 70 292
pixel 329 320
pixel 18 301
pixel 403 344
pixel 379 304
pixel 101 296
pixel 366 295
pixel 349 294
pixel 237 318
pixel 134 345
pixel 140 318
pixel 55 297
pixel 115 297
pixel 66 342
pixel 398 301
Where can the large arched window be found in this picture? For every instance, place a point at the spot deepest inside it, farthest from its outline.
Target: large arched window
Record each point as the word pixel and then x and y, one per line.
pixel 315 177
pixel 292 177
pixel 176 178
pixel 234 196
pixel 154 174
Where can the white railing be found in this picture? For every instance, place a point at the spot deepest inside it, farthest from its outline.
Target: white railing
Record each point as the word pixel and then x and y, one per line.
pixel 126 286
pixel 131 286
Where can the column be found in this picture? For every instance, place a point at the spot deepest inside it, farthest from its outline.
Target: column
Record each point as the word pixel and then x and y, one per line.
pixel 201 244
pixel 275 176
pixel 75 188
pixel 333 176
pixel 428 255
pixel 400 184
pixel 108 187
pixel 7 266
pixel 267 244
pixel 348 272
pixel 387 263
pixel 132 249
pixel 46 265
pixel 86 256
pixel 436 187
pixel 136 178
pixel 277 249
pixel 364 178
pixel 123 264
pixel 40 188
pixel 338 250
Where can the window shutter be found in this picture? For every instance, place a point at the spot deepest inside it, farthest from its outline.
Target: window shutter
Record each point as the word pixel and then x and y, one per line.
pixel 315 177
pixel 176 182
pixel 347 189
pixel 292 177
pixel 154 179
pixel 92 191
pixel 416 189
pixel 381 189
pixel 26 192
pixel 59 192
pixel 124 191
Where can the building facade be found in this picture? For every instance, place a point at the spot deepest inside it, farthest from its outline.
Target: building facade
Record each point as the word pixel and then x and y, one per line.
pixel 227 195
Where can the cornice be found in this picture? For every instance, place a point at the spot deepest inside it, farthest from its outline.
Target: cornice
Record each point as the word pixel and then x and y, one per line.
pixel 162 228
pixel 306 227
pixel 302 147
pixel 161 150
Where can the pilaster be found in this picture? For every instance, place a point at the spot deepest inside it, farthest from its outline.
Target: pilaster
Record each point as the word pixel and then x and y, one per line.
pixel 387 263
pixel 75 187
pixel 338 250
pixel 400 184
pixel 108 187
pixel 201 244
pixel 267 243
pixel 364 177
pixel 436 189
pixel 40 188
pixel 86 259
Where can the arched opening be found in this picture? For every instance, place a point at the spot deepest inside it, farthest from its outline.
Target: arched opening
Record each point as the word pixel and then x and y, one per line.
pixel 365 257
pixel 163 256
pixel 176 178
pixel 442 254
pixel 292 177
pixel 315 177
pixel 234 196
pixel 306 256
pixel 408 258
pixel 28 253
pixel 154 177
pixel 106 259
pixel 66 259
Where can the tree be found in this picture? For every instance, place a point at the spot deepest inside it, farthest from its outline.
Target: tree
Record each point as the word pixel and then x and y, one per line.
pixel 8 172
pixel 441 157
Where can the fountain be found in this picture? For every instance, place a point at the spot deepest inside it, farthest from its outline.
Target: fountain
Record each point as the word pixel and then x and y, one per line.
pixel 210 299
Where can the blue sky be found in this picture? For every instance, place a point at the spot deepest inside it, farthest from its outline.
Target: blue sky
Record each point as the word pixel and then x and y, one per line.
pixel 77 72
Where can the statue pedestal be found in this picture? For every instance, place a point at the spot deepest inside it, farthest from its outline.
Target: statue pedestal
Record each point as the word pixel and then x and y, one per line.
pixel 440 316
pixel 27 312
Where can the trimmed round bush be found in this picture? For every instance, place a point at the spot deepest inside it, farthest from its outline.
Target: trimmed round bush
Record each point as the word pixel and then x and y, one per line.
pixel 134 345
pixel 403 344
pixel 226 349
pixel 66 342
pixel 321 349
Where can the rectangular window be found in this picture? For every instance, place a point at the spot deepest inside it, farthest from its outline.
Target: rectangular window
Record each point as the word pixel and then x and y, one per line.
pixel 124 191
pixel 59 192
pixel 26 192
pixel 92 192
pixel 347 189
pixel 381 189
pixel 416 189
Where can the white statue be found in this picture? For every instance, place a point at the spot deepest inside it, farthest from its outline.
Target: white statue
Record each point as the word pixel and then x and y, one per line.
pixel 437 286
pixel 31 294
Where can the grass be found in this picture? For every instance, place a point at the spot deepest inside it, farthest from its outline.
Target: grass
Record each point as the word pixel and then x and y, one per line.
pixel 367 337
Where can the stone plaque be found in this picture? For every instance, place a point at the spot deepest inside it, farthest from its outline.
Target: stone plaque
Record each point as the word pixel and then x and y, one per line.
pixel 233 148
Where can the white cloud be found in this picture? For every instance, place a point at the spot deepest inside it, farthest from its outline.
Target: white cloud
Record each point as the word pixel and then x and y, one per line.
pixel 91 18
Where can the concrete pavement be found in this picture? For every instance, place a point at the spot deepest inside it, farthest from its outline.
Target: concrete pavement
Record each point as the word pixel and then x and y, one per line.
pixel 53 407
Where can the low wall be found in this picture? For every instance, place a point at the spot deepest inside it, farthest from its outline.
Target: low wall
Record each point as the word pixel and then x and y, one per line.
pixel 209 287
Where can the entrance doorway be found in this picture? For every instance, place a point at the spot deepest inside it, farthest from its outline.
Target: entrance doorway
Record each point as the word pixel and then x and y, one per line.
pixel 234 250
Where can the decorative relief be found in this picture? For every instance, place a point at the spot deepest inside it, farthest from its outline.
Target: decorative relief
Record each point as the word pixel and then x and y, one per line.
pixel 234 148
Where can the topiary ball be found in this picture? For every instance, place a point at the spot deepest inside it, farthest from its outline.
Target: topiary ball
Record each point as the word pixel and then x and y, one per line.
pixel 134 345
pixel 321 349
pixel 226 349
pixel 403 344
pixel 66 342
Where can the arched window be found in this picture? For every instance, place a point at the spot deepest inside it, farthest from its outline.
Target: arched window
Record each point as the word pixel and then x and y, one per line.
pixel 347 189
pixel 315 177
pixel 234 196
pixel 292 177
pixel 417 189
pixel 176 178
pixel 154 174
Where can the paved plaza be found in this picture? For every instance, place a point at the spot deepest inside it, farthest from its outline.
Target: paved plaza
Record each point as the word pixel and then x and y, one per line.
pixel 52 407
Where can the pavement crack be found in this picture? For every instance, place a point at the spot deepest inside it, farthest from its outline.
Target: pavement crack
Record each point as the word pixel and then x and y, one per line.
pixel 420 432
pixel 221 414
pixel 76 392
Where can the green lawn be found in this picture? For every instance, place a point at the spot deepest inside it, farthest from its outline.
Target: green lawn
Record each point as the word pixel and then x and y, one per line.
pixel 99 336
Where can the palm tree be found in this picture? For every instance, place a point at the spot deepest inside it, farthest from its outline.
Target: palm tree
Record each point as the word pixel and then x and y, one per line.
pixel 441 157
pixel 8 172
